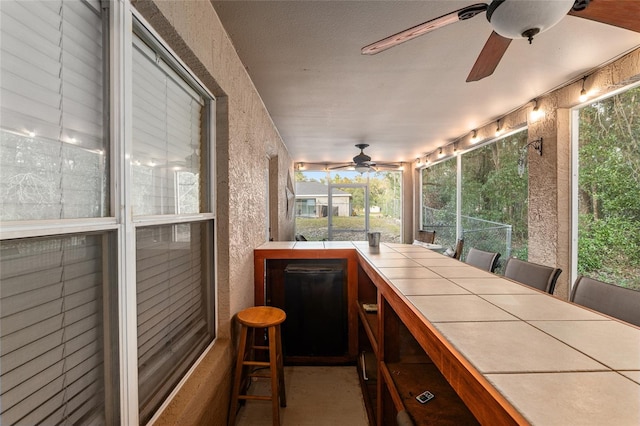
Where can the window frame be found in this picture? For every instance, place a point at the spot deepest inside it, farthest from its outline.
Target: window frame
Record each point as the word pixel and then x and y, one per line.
pixel 118 226
pixel 574 130
pixel 141 28
pixel 107 229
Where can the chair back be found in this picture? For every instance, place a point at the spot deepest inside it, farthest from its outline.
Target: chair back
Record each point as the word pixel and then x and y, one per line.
pixel 532 274
pixel 458 251
pixel 486 260
pixel 618 302
pixel 426 236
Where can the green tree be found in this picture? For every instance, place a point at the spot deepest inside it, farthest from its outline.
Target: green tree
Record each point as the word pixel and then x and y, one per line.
pixel 609 189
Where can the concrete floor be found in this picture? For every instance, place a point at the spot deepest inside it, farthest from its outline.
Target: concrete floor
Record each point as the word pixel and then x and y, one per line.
pixel 316 396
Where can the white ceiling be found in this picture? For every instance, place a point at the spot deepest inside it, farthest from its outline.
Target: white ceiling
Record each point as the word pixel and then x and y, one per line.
pixel 324 96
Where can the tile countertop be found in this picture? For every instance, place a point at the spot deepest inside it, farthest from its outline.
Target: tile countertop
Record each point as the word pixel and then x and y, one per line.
pixel 557 363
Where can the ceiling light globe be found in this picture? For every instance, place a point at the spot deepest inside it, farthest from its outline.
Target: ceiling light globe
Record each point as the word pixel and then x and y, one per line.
pixel 361 168
pixel 516 19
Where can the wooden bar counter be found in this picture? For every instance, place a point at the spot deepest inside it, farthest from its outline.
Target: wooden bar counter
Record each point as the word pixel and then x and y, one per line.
pixel 505 352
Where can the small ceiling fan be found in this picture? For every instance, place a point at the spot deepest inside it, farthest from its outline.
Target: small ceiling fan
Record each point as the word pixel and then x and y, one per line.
pixel 362 162
pixel 515 19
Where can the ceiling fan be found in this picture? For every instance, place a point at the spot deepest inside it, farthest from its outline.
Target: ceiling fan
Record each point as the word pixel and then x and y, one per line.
pixel 362 162
pixel 516 19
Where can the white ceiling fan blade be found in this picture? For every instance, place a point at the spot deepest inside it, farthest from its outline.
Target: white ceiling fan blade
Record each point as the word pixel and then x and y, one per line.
pixel 426 27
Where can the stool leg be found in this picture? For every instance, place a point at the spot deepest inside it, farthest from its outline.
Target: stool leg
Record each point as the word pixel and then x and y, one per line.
pixel 238 376
pixel 273 365
pixel 283 394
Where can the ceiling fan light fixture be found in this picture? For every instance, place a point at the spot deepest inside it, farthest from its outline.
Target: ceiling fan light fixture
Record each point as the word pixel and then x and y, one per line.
pixel 361 168
pixel 516 19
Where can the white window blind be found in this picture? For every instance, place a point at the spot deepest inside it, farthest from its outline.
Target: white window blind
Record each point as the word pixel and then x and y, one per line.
pixel 53 161
pixel 172 312
pixel 167 136
pixel 172 260
pixel 51 346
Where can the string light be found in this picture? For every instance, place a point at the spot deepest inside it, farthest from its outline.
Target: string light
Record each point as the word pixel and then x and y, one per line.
pixel 498 128
pixel 474 136
pixel 440 153
pixel 583 93
pixel 536 113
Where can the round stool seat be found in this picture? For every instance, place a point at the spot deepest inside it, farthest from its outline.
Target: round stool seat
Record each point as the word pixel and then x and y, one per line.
pixel 261 316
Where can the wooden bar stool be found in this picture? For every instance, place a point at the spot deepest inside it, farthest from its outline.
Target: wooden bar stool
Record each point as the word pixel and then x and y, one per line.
pixel 259 317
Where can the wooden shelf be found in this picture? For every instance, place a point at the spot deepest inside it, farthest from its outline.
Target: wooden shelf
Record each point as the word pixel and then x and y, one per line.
pixel 405 371
pixel 369 321
pixel 409 380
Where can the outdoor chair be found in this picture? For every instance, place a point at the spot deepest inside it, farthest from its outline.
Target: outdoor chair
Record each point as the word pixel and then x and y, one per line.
pixel 482 259
pixel 532 274
pixel 619 302
pixel 458 250
pixel 426 236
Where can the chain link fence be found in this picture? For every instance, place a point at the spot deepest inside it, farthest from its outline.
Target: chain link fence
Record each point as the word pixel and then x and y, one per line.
pixel 479 233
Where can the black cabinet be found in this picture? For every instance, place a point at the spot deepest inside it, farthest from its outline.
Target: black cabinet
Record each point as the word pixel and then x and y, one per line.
pixel 314 296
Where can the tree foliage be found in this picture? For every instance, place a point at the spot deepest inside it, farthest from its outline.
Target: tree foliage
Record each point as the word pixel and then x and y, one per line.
pixel 609 189
pixel 492 190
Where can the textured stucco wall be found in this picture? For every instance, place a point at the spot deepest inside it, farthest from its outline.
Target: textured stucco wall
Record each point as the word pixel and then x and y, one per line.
pixel 246 140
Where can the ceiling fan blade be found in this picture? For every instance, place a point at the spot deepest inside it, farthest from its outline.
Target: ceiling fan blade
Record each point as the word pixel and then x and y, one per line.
pixel 623 14
pixel 340 166
pixel 418 30
pixel 489 57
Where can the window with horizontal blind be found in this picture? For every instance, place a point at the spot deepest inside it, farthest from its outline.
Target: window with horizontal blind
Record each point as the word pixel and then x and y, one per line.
pixel 53 161
pixel 172 309
pixel 167 137
pixel 173 258
pixel 53 330
pixel 58 295
pixel 79 225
